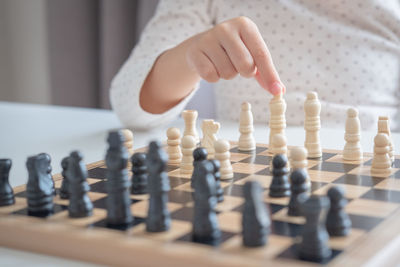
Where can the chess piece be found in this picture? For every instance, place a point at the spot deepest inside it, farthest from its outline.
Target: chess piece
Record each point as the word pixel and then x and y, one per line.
pixel 118 200
pixel 49 169
pixel 279 144
pixel 188 145
pixel 210 130
pixel 299 191
pixel 280 186
pixel 255 220
pixel 381 163
pixel 128 143
pixel 352 150
pixel 199 155
pixel 39 188
pixel 173 143
pixel 383 127
pixel 314 243
pixel 190 117
pixel 312 125
pixel 246 129
pixel 6 191
pixel 139 174
pixel 217 175
pixel 298 160
pixel 277 121
pixel 338 222
pixel 158 217
pixel 79 202
pixel 224 156
pixel 205 220
pixel 64 194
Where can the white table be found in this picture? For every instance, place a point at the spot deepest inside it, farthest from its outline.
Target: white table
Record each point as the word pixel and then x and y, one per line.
pixel 30 129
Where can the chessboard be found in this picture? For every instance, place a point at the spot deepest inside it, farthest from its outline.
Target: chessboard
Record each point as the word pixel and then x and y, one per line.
pixel 373 207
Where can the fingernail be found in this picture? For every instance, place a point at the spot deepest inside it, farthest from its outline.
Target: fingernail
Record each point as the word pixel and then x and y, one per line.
pixel 276 88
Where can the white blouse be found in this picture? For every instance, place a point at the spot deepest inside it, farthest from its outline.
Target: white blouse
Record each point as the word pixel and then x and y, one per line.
pixel 348 51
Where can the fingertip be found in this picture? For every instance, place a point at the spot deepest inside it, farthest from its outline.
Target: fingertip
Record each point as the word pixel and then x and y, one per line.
pixel 276 88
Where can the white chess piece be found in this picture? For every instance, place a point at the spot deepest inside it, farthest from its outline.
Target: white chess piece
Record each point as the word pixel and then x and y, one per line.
pixel 383 127
pixel 224 156
pixel 279 141
pixel 188 145
pixel 277 121
pixel 246 129
pixel 352 149
pixel 298 160
pixel 173 145
pixel 210 129
pixel 381 162
pixel 312 125
pixel 190 117
pixel 128 143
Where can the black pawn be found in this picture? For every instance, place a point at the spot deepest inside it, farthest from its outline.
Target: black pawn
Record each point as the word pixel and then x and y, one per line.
pixel 314 244
pixel 338 222
pixel 49 169
pixel 6 191
pixel 64 185
pixel 217 175
pixel 255 220
pixel 299 191
pixel 119 214
pixel 139 174
pixel 199 154
pixel 39 188
pixel 280 186
pixel 79 202
pixel 158 217
pixel 205 221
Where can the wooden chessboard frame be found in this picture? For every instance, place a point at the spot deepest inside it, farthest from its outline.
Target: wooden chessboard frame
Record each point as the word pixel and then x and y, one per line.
pixel 99 245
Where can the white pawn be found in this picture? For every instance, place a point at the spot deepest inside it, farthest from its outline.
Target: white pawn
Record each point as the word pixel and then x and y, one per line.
pixel 128 137
pixel 210 129
pixel 224 156
pixel 312 125
pixel 190 117
pixel 277 121
pixel 188 145
pixel 352 149
pixel 246 129
pixel 279 142
pixel 383 127
pixel 173 143
pixel 381 163
pixel 298 160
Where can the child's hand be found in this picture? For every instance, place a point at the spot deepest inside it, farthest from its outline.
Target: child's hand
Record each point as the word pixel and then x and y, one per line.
pixel 230 48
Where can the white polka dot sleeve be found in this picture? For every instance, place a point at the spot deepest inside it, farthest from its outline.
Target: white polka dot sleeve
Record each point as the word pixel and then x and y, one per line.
pixel 173 22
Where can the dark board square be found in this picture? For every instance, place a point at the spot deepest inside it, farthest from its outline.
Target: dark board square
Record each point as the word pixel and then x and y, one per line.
pixel 101 203
pixel 286 228
pixel 181 197
pixel 238 176
pixel 234 190
pixel 21 194
pixel 353 179
pixel 57 208
pixel 396 163
pixel 103 224
pixel 316 185
pixel 258 150
pixel 292 253
pixel 224 237
pixel 334 167
pixel 396 175
pixel 171 168
pixel 326 156
pixel 99 187
pixel 176 181
pixel 273 208
pixel 368 162
pixel 259 159
pixel 97 173
pixel 382 195
pixel 183 214
pixel 265 171
pixel 366 223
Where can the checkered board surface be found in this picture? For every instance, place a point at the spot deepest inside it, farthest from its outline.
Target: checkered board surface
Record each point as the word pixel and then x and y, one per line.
pixel 372 201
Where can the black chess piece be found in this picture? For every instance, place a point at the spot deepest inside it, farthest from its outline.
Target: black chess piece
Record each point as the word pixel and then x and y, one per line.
pixel 49 169
pixel 119 214
pixel 139 174
pixel 299 191
pixel 79 202
pixel 280 186
pixel 158 217
pixel 199 154
pixel 39 188
pixel 6 191
pixel 217 175
pixel 314 244
pixel 64 194
pixel 255 219
pixel 338 222
pixel 205 222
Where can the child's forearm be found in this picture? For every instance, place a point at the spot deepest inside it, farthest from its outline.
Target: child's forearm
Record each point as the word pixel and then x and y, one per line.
pixel 170 80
